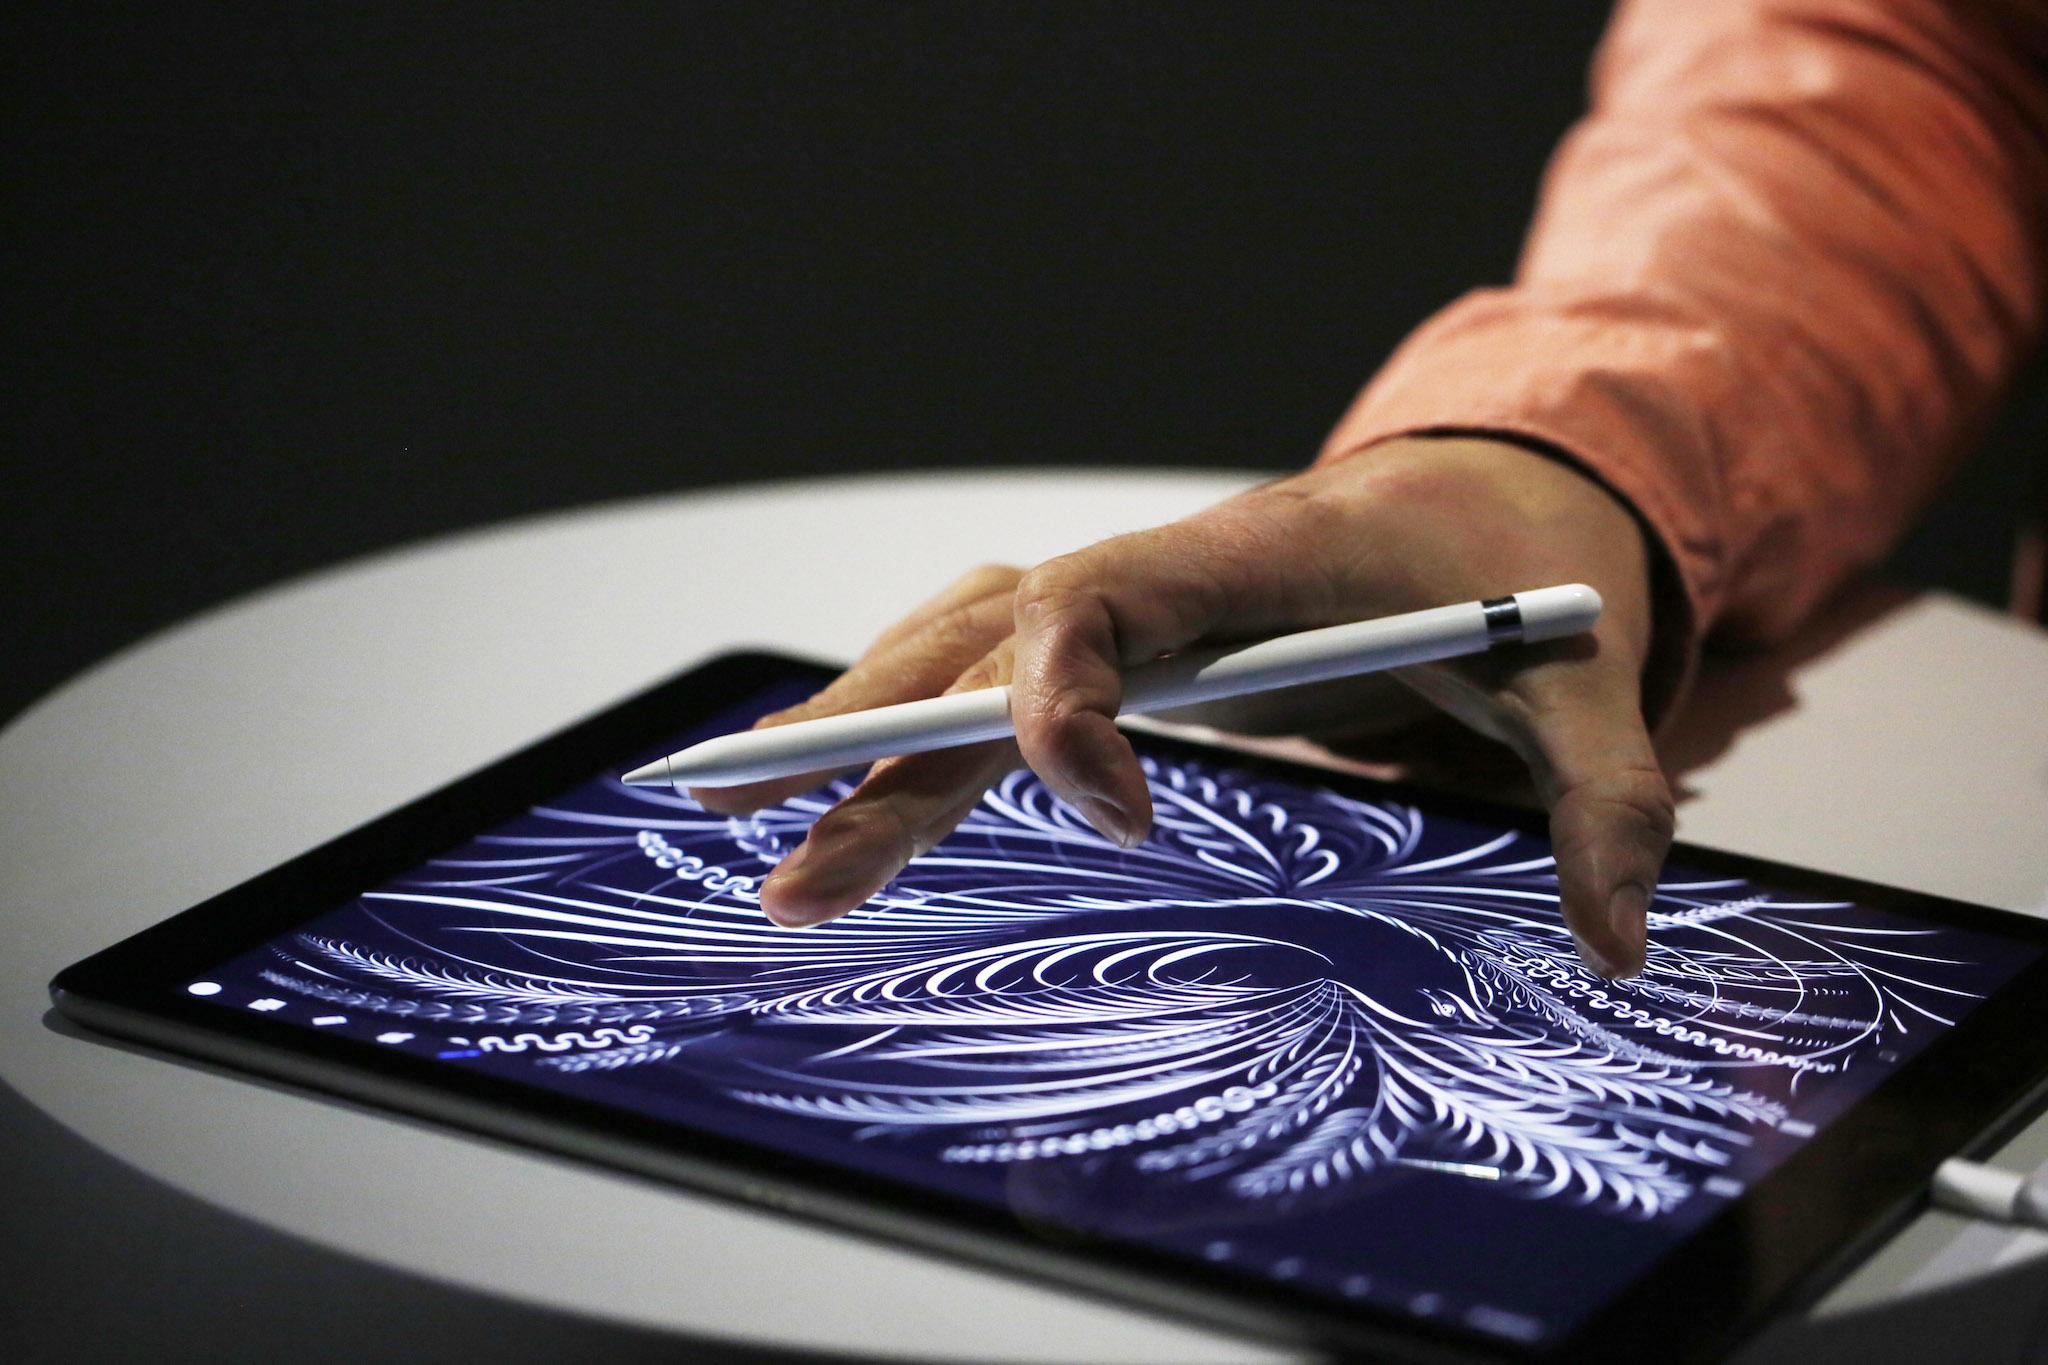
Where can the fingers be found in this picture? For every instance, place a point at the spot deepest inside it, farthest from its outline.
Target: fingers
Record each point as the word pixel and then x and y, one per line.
pixel 1611 819
pixel 1339 713
pixel 1064 700
pixel 920 656
pixel 1083 618
pixel 904 807
pixel 900 810
pixel 932 620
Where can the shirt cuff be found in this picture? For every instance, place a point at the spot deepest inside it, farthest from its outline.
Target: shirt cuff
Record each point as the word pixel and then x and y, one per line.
pixel 1611 387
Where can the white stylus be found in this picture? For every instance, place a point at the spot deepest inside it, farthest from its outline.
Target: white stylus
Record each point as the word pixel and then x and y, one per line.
pixel 915 727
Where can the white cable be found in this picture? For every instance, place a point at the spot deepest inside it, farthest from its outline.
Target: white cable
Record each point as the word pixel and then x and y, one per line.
pixel 1978 1191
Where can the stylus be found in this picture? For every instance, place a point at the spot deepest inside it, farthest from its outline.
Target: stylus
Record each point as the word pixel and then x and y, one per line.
pixel 915 727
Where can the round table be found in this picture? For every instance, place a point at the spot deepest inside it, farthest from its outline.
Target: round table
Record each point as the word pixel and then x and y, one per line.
pixel 215 750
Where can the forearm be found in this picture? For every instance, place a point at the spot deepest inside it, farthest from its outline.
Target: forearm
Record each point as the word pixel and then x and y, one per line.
pixel 1781 272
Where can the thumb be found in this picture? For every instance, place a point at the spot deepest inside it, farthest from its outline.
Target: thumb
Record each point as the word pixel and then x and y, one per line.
pixel 1611 820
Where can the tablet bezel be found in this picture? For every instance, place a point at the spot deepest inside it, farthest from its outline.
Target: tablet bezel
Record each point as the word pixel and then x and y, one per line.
pixel 1969 1086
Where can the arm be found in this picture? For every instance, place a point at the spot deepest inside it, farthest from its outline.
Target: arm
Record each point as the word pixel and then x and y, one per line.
pixel 1780 275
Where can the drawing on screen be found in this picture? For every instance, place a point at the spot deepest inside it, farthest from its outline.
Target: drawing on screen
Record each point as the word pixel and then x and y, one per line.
pixel 1282 990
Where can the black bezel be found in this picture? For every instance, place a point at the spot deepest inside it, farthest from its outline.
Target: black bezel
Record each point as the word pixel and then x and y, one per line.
pixel 1851 1184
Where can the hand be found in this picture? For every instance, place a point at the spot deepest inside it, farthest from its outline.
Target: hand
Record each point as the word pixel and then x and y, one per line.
pixel 1410 523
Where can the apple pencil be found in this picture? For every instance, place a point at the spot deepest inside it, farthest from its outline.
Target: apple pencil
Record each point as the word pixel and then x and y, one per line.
pixel 915 727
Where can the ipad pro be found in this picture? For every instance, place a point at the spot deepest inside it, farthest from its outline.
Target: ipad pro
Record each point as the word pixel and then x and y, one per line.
pixel 1317 1060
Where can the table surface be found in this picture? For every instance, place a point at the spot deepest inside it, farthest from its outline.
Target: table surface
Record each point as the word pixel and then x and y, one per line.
pixel 213 751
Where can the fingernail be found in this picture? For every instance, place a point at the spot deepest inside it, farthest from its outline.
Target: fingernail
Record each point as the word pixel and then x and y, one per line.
pixel 1110 821
pixel 1595 962
pixel 1628 911
pixel 771 886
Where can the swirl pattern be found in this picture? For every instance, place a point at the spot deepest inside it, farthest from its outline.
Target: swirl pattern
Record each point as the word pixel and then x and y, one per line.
pixel 1283 990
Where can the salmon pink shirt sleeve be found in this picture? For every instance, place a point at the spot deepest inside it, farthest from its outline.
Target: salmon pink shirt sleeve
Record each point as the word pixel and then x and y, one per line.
pixel 1779 276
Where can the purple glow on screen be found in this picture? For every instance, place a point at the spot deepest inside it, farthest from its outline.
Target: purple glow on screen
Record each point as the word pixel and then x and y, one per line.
pixel 1332 1041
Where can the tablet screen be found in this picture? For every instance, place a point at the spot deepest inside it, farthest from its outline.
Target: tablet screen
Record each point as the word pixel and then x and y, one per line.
pixel 1316 1038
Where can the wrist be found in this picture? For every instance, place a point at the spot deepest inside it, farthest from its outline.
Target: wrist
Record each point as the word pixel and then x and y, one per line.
pixel 1516 510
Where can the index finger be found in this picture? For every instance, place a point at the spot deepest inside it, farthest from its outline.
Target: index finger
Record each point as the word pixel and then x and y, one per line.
pixel 916 658
pixel 1083 618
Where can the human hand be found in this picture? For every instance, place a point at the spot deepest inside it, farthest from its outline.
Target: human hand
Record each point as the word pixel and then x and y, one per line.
pixel 1410 523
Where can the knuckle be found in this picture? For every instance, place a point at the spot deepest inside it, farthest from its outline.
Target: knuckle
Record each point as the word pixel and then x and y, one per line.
pixel 1637 795
pixel 1058 741
pixel 1053 702
pixel 1065 708
pixel 1270 547
pixel 1055 584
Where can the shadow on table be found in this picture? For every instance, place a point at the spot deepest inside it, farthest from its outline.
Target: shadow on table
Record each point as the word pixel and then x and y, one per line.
pixel 2000 1315
pixel 1738 691
pixel 147 1263
pixel 143 1271
pixel 1374 726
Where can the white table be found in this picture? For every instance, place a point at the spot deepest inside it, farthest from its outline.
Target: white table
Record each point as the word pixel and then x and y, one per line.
pixel 1906 742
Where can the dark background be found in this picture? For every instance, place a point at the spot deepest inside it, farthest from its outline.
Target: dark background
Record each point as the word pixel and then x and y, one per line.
pixel 286 284
pixel 292 283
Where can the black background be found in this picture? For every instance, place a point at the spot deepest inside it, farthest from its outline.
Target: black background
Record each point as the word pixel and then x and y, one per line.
pixel 285 284
pixel 293 283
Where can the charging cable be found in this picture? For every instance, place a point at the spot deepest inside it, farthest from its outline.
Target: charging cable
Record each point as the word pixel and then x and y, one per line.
pixel 1978 1191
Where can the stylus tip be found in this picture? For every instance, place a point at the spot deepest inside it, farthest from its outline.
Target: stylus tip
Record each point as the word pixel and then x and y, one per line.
pixel 654 774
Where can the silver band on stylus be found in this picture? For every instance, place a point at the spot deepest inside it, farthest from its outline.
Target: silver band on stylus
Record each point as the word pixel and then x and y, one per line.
pixel 1503 619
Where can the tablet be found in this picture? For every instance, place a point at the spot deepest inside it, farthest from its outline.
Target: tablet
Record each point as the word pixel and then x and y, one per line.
pixel 1317 1060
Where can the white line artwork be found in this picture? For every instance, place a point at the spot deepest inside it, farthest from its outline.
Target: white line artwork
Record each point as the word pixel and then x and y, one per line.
pixel 1283 990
